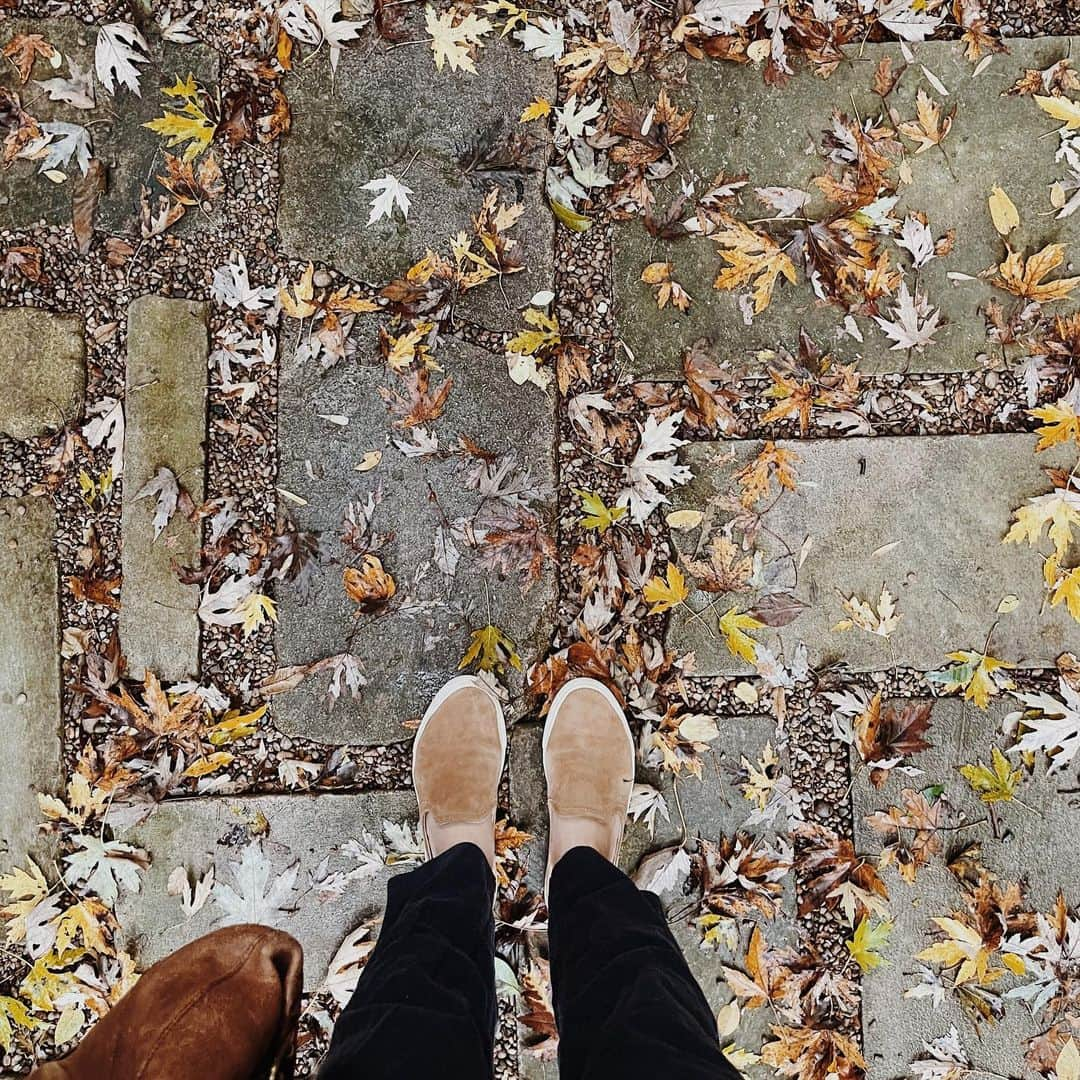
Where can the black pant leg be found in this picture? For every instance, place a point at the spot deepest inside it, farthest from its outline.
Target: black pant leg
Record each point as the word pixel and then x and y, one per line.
pixel 626 1003
pixel 425 1004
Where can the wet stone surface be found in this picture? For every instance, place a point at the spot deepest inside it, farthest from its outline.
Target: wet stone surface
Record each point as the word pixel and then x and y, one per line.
pixel 410 651
pixel 449 136
pixel 742 126
pixel 924 517
pixel 131 153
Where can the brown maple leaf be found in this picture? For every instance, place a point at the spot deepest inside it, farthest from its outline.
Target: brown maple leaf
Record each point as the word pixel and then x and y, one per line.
pixel 755 478
pixel 930 126
pixel 809 1053
pixel 825 861
pixel 25 260
pixel 190 184
pixel 740 874
pixel 911 832
pixel 23 49
pixel 422 405
pixel 1024 277
pixel 539 1017
pixel 888 735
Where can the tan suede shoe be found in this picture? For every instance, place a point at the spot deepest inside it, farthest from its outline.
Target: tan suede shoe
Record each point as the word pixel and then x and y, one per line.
pixel 589 765
pixel 457 760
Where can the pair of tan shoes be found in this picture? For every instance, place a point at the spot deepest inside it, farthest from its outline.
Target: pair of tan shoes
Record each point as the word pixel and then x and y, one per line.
pixel 458 759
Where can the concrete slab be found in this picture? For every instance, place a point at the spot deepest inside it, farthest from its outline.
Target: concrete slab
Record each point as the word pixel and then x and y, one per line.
pixel 194 833
pixel 444 134
pixel 1029 849
pixel 130 151
pixel 945 502
pixel 165 414
pixel 29 673
pixel 406 658
pixel 42 370
pixel 743 126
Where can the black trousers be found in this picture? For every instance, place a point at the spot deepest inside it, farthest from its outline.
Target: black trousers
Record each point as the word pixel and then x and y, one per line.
pixel 625 1001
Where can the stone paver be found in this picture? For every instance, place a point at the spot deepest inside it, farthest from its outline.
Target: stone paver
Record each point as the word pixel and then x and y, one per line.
pixel 41 370
pixel 944 502
pixel 711 806
pixel 196 833
pixel 1030 849
pixel 165 413
pixel 29 672
pixel 130 151
pixel 743 126
pixel 444 134
pixel 406 658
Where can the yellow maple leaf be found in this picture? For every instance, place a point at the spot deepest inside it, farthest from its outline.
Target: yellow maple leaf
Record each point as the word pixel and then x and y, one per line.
pixel 455 43
pixel 597 514
pixel 1060 108
pixel 665 592
pixel 189 124
pixel 866 943
pixel 544 335
pixel 296 299
pixel 1057 511
pixel 235 725
pixel 410 346
pixel 491 650
pixel 981 677
pixel 207 765
pixel 535 110
pixel 1067 591
pixel 83 920
pixel 733 625
pixel 861 613
pixel 25 891
pixel 1024 277
pixel 928 128
pixel 14 1012
pixel 753 258
pixel 1060 423
pixel 996 782
pixel 256 608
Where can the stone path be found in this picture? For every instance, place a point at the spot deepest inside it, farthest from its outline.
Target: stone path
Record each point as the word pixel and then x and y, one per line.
pixel 141 358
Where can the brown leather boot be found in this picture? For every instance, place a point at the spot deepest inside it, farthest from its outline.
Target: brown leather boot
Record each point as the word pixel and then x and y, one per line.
pixel 458 758
pixel 224 1007
pixel 589 765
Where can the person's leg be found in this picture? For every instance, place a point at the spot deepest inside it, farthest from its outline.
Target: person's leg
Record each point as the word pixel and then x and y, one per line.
pixel 425 1003
pixel 626 1004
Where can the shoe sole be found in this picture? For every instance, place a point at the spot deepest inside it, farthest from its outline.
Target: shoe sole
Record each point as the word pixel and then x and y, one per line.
pixel 549 726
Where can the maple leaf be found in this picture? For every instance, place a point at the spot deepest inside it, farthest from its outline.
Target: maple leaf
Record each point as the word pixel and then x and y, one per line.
pixel 254 610
pixel 981 677
pixel 25 889
pixel 537 109
pixel 910 832
pixel 993 783
pixel 1051 725
pixel 866 943
pixel 883 738
pixel 810 1053
pixel 827 864
pixel 318 21
pixel 1060 423
pixel 1066 589
pixel 908 19
pixel 648 469
pixel 1057 511
pixel 23 49
pixel 881 621
pixel 191 184
pixel 60 144
pixel 668 290
pixel 740 874
pixel 165 486
pixel 965 948
pixel 258 894
pixel 947 1061
pixel 539 1016
pixel 120 46
pixel 14 1012
pixel 733 625
pixel 727 570
pixel 368 585
pixel 85 920
pixel 104 865
pixel 928 128
pixel 1024 277
pixel 187 124
pixel 597 515
pixel 391 193
pixel 664 593
pixel 1060 108
pixel 914 321
pixel 455 43
pixel 84 802
pixel 422 404
pixel 544 38
pixel 755 478
pixel 491 650
pixel 543 336
pixel 753 258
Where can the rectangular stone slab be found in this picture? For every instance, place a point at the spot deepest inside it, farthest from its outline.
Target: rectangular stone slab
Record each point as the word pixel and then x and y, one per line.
pixel 165 414
pixel 194 833
pixel 1032 847
pixel 743 126
pixel 388 110
pixel 29 673
pixel 131 152
pixel 42 370
pixel 318 462
pixel 948 500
